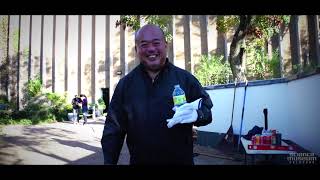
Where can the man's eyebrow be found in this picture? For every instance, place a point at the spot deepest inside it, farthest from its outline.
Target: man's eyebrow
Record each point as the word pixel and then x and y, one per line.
pixel 156 39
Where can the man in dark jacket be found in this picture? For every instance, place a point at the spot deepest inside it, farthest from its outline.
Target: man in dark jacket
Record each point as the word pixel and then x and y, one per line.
pixel 142 108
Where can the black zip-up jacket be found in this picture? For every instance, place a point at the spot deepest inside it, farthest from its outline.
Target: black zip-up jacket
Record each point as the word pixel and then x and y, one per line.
pixel 139 109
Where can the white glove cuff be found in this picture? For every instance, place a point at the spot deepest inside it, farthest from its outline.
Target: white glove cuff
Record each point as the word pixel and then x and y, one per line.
pixel 197 103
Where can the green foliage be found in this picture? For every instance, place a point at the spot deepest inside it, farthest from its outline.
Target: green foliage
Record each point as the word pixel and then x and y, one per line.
pixel 38 107
pixel 5 114
pixel 42 108
pixel 7 121
pixel 31 115
pixel 260 66
pixel 3 99
pixel 225 23
pixel 211 70
pixel 5 102
pixel 274 65
pixel 59 107
pixel 23 121
pixel 133 21
pixel 304 69
pixel 268 25
pixel 56 99
pixel 261 26
pixel 258 31
pixel 34 86
pixel 101 104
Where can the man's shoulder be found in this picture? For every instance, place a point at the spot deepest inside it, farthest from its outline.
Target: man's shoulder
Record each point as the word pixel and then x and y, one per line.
pixel 133 72
pixel 128 77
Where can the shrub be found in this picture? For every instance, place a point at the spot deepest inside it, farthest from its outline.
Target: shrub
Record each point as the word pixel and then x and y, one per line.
pixel 258 64
pixel 59 108
pixel 5 114
pixel 212 70
pixel 34 86
pixel 101 104
pixel 3 99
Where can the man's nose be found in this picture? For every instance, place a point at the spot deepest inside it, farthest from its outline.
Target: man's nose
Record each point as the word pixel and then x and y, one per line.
pixel 151 48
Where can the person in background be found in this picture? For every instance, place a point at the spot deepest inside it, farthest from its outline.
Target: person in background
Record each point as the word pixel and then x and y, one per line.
pixel 76 103
pixel 84 107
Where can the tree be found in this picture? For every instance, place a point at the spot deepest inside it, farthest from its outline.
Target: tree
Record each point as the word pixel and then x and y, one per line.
pixel 133 21
pixel 250 29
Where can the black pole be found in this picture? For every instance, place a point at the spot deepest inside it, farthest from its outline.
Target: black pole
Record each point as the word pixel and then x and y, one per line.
pixel 265 112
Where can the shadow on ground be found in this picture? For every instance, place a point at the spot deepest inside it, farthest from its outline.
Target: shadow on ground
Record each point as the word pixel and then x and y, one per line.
pixel 55 145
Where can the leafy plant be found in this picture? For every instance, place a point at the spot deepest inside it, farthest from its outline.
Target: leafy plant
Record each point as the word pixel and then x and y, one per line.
pixel 249 28
pixel 3 99
pixel 212 70
pixel 101 104
pixel 59 107
pixel 274 65
pixel 34 86
pixel 5 114
pixel 304 69
pixel 133 21
pixel 259 65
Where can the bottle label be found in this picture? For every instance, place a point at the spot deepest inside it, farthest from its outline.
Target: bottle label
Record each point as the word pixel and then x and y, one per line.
pixel 179 100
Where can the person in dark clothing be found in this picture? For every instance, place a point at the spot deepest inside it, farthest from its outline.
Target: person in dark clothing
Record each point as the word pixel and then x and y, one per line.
pixel 76 103
pixel 84 107
pixel 141 108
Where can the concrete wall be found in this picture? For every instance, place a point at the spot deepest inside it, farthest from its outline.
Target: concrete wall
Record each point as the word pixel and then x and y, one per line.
pixel 304 112
pixel 293 109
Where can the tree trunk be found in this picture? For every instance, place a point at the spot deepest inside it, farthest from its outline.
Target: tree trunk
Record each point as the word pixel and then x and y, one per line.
pixel 236 51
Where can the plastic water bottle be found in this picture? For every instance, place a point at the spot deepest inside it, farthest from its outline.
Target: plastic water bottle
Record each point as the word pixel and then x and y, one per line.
pixel 179 97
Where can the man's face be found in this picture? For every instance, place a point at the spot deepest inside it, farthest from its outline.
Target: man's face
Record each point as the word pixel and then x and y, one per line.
pixel 151 48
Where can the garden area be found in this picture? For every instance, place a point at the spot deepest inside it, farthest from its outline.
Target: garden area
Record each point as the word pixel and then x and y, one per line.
pixel 41 107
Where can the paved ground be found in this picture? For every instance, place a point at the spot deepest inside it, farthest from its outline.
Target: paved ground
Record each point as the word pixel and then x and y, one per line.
pixel 66 143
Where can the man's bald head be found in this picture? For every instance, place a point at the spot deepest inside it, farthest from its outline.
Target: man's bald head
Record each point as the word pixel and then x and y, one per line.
pixel 151 47
pixel 148 27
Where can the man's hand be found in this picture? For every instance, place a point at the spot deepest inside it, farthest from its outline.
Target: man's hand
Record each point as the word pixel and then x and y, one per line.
pixel 186 113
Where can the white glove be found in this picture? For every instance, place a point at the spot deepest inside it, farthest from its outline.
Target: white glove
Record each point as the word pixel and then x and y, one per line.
pixel 186 113
pixel 193 105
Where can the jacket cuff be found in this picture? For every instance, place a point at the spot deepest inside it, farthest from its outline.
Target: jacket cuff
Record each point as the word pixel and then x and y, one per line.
pixel 200 115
